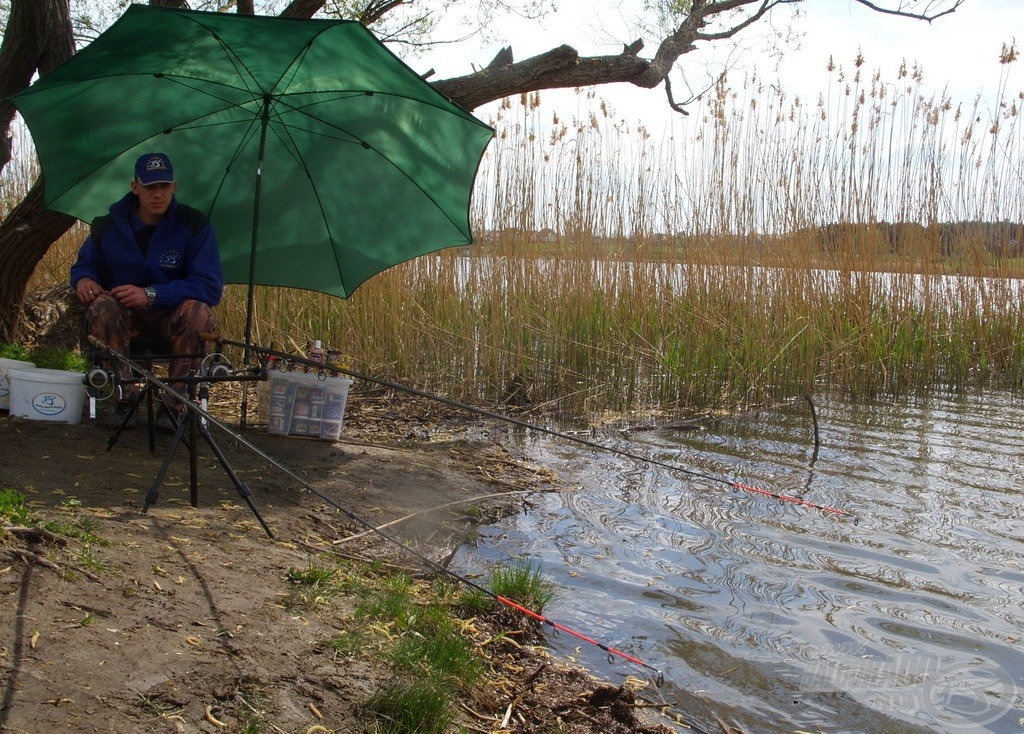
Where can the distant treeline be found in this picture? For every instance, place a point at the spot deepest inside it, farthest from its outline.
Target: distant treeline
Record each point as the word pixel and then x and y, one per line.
pixel 948 239
pixel 1002 239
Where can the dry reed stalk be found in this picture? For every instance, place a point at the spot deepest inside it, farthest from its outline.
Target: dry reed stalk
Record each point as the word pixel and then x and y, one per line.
pixel 772 248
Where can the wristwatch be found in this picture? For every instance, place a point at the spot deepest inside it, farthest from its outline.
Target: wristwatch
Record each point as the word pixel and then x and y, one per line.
pixel 150 296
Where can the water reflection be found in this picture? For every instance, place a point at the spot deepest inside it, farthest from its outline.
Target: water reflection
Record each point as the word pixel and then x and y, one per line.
pixel 780 617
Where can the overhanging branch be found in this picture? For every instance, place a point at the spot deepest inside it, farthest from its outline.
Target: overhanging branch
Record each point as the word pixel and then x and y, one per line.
pixel 902 9
pixel 302 8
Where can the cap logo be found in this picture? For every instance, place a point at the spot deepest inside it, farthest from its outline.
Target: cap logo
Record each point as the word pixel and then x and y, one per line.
pixel 153 168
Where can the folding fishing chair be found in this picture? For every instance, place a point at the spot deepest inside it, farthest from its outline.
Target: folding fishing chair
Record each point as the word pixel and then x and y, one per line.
pixel 192 425
pixel 148 351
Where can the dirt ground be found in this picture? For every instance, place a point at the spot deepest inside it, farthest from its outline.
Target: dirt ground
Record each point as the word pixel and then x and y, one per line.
pixel 175 621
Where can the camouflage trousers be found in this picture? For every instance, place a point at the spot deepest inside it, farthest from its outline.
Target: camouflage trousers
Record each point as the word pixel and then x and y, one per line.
pixel 116 325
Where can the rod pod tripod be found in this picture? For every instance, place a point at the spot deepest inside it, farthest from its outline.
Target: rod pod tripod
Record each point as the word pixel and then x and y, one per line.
pixel 194 423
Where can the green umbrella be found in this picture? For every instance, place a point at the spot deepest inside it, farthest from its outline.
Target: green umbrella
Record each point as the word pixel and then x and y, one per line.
pixel 320 157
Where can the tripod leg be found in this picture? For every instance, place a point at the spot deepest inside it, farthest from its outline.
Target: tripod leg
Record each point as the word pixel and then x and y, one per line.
pixel 133 407
pixel 154 491
pixel 243 489
pixel 193 449
pixel 150 419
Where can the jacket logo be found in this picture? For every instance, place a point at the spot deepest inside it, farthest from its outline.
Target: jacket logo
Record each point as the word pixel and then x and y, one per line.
pixel 170 260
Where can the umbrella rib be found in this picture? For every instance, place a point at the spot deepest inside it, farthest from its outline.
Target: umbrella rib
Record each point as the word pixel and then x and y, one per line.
pixel 368 146
pixel 184 82
pixel 292 147
pixel 234 58
pixel 243 141
pixel 289 144
pixel 293 68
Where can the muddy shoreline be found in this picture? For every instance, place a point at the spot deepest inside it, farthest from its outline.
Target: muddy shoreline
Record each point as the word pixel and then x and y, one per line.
pixel 174 620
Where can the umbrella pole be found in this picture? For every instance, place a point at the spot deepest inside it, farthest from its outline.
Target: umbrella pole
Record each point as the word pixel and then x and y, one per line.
pixel 250 298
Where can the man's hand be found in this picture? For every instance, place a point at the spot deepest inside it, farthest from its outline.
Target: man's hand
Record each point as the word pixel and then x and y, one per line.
pixel 87 289
pixel 130 296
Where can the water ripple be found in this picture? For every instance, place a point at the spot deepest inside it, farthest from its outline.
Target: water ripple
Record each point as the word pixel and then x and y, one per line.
pixel 781 617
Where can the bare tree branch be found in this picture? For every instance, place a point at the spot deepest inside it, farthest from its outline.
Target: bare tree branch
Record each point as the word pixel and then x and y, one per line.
pixel 302 8
pixel 766 6
pixel 377 9
pixel 563 67
pixel 903 9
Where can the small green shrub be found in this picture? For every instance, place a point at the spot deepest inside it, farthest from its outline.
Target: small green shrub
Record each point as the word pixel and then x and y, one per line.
pixel 475 602
pixel 58 359
pixel 73 524
pixel 44 358
pixel 87 557
pixel 313 575
pixel 14 351
pixel 349 642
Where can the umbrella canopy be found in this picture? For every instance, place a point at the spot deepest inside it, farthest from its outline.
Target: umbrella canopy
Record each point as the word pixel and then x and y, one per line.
pixel 320 157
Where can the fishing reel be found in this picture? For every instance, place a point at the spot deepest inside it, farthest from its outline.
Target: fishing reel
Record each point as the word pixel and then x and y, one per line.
pixel 99 383
pixel 216 366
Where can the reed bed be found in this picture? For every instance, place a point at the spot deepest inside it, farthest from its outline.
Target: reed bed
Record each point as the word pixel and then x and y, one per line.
pixel 867 243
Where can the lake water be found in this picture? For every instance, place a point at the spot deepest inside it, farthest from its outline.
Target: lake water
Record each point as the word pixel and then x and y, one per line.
pixel 781 617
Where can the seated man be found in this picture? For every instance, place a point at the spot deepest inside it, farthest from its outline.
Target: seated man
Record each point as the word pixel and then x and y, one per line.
pixel 151 267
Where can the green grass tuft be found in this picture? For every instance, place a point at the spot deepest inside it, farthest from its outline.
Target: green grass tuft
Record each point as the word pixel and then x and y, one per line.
pixel 393 603
pixel 88 558
pixel 13 508
pixel 313 575
pixel 314 585
pixel 523 583
pixel 418 707
pixel 438 652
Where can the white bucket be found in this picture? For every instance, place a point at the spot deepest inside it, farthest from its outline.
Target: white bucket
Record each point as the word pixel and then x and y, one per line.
pixel 48 395
pixel 6 365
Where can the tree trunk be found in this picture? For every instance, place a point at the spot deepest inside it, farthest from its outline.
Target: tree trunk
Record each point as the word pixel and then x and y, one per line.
pixel 25 236
pixel 38 36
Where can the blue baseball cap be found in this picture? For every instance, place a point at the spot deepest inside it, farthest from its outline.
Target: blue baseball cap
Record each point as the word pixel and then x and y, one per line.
pixel 154 168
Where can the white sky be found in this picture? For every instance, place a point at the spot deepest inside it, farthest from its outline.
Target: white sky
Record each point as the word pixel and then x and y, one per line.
pixel 957 52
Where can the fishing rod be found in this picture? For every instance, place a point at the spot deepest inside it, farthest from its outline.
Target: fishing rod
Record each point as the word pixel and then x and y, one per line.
pixel 210 419
pixel 540 429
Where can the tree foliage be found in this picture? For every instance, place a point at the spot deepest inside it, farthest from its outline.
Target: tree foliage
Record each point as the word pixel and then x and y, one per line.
pixel 40 33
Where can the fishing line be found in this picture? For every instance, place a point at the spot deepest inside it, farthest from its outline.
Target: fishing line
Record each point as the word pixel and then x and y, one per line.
pixel 555 626
pixel 540 429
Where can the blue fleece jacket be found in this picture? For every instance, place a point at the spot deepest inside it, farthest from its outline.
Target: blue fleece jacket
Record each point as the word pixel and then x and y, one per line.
pixel 178 264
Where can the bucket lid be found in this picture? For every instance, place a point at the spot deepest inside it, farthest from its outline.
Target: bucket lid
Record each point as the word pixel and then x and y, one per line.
pixel 46 375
